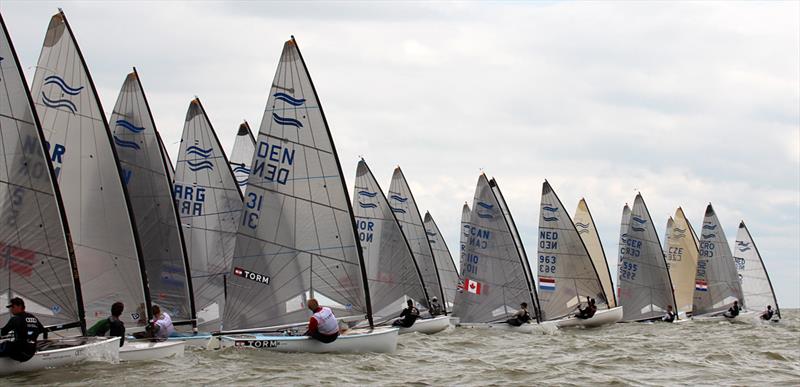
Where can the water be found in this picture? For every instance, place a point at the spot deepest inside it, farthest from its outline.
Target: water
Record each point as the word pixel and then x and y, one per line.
pixel 624 354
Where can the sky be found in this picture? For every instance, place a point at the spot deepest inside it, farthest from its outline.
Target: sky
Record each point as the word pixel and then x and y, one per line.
pixel 685 102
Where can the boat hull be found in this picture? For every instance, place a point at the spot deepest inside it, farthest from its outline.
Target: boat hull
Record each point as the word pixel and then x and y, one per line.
pixel 601 317
pixel 146 350
pixel 428 326
pixel 67 352
pixel 378 340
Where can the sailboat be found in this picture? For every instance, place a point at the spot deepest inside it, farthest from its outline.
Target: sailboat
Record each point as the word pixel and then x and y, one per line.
pixel 393 274
pixel 587 229
pixel 107 244
pixel 444 261
pixel 209 203
pixel 242 154
pixel 494 279
pixel 464 231
pixel 297 239
pixel 567 274
pixel 756 286
pixel 146 176
pixel 645 288
pixel 406 210
pixel 682 255
pixel 717 283
pixel 37 260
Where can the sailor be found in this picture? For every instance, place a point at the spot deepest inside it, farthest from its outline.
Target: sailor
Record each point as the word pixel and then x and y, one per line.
pixel 733 311
pixel 669 316
pixel 522 316
pixel 322 325
pixel 25 328
pixel 587 312
pixel 408 316
pixel 435 307
pixel 767 314
pixel 112 325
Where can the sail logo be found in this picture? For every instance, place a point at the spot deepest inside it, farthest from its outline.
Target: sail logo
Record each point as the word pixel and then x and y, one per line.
pixel 367 194
pixel 197 151
pixel 289 99
pixel 367 205
pixel 17 260
pixel 739 263
pixel 583 228
pixel 197 166
pixel 548 208
pixel 397 210
pixel 678 233
pixel 129 126
pixel 742 246
pixel 272 162
pixel 709 227
pixel 125 144
pixel 252 276
pixel 398 198
pixel 639 220
pixel 66 92
pixel 484 214
pixel 240 172
pixel 284 121
pixel 709 236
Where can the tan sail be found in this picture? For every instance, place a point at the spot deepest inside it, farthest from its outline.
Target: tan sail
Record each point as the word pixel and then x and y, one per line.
pixel 588 232
pixel 681 254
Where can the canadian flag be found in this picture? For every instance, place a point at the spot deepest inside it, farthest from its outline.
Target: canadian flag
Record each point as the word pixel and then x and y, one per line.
pixel 472 286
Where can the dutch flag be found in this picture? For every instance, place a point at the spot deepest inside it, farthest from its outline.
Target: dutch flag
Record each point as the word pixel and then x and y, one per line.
pixel 547 283
pixel 701 285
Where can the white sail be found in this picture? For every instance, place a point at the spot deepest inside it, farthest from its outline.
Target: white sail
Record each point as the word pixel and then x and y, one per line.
pixel 391 270
pixel 587 229
pixel 645 289
pixel 36 260
pixel 448 274
pixel 756 285
pixel 297 237
pixel 242 154
pixel 170 166
pixel 567 276
pixel 464 236
pixel 145 174
pixel 96 201
pixel 494 282
pixel 682 254
pixel 209 203
pixel 717 283
pixel 407 212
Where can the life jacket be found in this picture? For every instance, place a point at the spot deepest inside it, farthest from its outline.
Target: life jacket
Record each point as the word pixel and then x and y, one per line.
pixel 326 321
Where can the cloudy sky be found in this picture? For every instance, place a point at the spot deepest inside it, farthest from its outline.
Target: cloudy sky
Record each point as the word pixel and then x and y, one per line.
pixel 689 103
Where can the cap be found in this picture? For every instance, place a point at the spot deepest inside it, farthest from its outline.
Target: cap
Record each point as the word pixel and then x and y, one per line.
pixel 16 301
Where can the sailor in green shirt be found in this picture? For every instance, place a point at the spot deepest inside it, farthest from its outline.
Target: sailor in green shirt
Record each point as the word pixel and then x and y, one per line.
pixel 111 326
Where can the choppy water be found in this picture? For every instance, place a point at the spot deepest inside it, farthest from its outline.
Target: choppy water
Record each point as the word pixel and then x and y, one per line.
pixel 624 354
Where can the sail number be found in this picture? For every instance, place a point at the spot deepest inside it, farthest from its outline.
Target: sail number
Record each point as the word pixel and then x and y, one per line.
pixel 628 270
pixel 547 264
pixel 189 200
pixel 252 204
pixel 472 263
pixel 706 249
pixel 632 247
pixel 272 162
pixel 675 254
pixel 548 240
pixel 701 268
pixel 365 230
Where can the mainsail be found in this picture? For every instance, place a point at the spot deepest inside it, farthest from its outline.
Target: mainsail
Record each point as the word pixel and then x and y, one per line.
pixel 95 199
pixel 667 236
pixel 405 209
pixel 391 270
pixel 587 229
pixel 682 257
pixel 242 154
pixel 494 281
pixel 444 261
pixel 297 238
pixel 170 166
pixel 645 289
pixel 145 174
pixel 36 257
pixel 756 286
pixel 717 283
pixel 623 229
pixel 209 203
pixel 464 236
pixel 567 276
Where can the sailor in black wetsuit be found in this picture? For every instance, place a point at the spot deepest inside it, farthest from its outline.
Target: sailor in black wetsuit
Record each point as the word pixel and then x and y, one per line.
pixel 112 326
pixel 589 311
pixel 25 328
pixel 521 317
pixel 733 311
pixel 767 315
pixel 408 316
pixel 669 316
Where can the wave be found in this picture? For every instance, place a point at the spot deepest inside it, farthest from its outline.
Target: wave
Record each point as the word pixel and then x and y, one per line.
pixel 549 209
pixel 709 236
pixel 195 150
pixel 127 125
pixel 638 220
pixel 583 231
pixel 398 198
pixel 550 218
pixel 679 231
pixel 640 229
pixel 200 165
pixel 709 227
pixel 286 121
pixel 486 205
pixel 430 233
pixel 58 81
pixel 125 144
pixel 367 194
pixel 581 225
pixel 242 169
pixel 485 216
pixel 367 205
pixel 58 103
pixel 398 210
pixel 289 99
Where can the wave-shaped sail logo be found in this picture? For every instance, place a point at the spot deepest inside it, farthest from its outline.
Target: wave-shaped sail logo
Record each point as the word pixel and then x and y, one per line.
pixel 289 99
pixel 639 220
pixel 486 205
pixel 398 198
pixel 433 234
pixel 367 205
pixel 550 218
pixel 398 210
pixel 197 151
pixel 240 168
pixel 709 236
pixel 59 103
pixel 131 127
pixel 548 208
pixel 200 165
pixel 485 216
pixel 709 227
pixel 242 182
pixel 742 246
pixel 62 84
pixel 367 194
pixel 679 231
pixel 286 121
pixel 125 144
pixel 583 227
